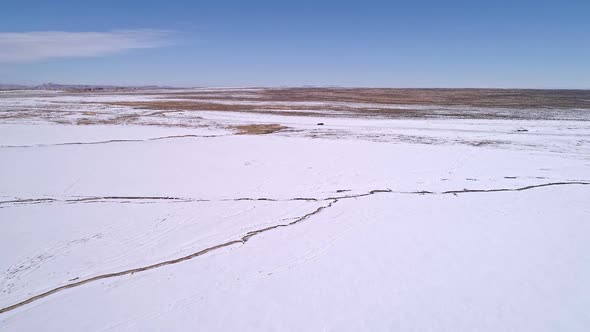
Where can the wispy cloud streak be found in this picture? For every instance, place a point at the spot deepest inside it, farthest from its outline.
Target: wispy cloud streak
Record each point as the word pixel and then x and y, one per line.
pixel 40 45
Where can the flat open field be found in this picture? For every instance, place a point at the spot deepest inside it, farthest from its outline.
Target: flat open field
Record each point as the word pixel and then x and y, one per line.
pixel 298 209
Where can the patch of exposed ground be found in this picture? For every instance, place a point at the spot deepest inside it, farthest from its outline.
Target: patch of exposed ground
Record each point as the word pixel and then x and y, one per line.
pixel 509 98
pixel 326 102
pixel 258 129
pixel 168 106
pixel 389 103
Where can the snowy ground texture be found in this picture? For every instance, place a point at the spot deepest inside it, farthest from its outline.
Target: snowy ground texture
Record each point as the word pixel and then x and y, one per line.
pixel 122 218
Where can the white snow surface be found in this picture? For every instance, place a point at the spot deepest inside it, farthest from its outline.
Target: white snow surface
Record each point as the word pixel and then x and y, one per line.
pixel 387 224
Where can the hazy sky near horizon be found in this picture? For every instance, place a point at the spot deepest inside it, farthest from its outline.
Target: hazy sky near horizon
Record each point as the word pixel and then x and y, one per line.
pixel 520 44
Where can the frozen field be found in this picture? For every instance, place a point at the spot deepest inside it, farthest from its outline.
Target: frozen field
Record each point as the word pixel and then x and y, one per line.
pixel 144 212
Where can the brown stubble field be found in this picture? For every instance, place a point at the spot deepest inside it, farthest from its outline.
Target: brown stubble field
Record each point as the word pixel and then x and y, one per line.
pixel 369 102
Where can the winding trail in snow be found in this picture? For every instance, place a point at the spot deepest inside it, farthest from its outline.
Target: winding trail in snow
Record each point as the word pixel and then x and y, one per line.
pixel 113 141
pixel 244 238
pixel 147 199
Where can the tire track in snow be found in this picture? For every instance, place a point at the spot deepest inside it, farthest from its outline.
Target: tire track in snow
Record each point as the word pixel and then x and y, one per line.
pixel 244 238
pixel 464 191
pixel 147 199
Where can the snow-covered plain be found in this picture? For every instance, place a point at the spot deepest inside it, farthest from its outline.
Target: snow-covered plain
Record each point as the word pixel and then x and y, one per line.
pixel 177 223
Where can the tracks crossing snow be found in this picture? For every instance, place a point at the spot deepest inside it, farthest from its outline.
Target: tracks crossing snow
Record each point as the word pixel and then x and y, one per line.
pixel 244 238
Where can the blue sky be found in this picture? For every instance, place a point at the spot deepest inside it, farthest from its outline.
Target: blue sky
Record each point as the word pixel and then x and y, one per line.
pixel 522 44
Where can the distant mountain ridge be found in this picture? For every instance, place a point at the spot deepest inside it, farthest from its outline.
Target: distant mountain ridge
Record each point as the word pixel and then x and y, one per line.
pixel 12 87
pixel 78 87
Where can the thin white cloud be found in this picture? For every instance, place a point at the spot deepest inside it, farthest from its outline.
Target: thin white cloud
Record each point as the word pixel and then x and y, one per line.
pixel 39 45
